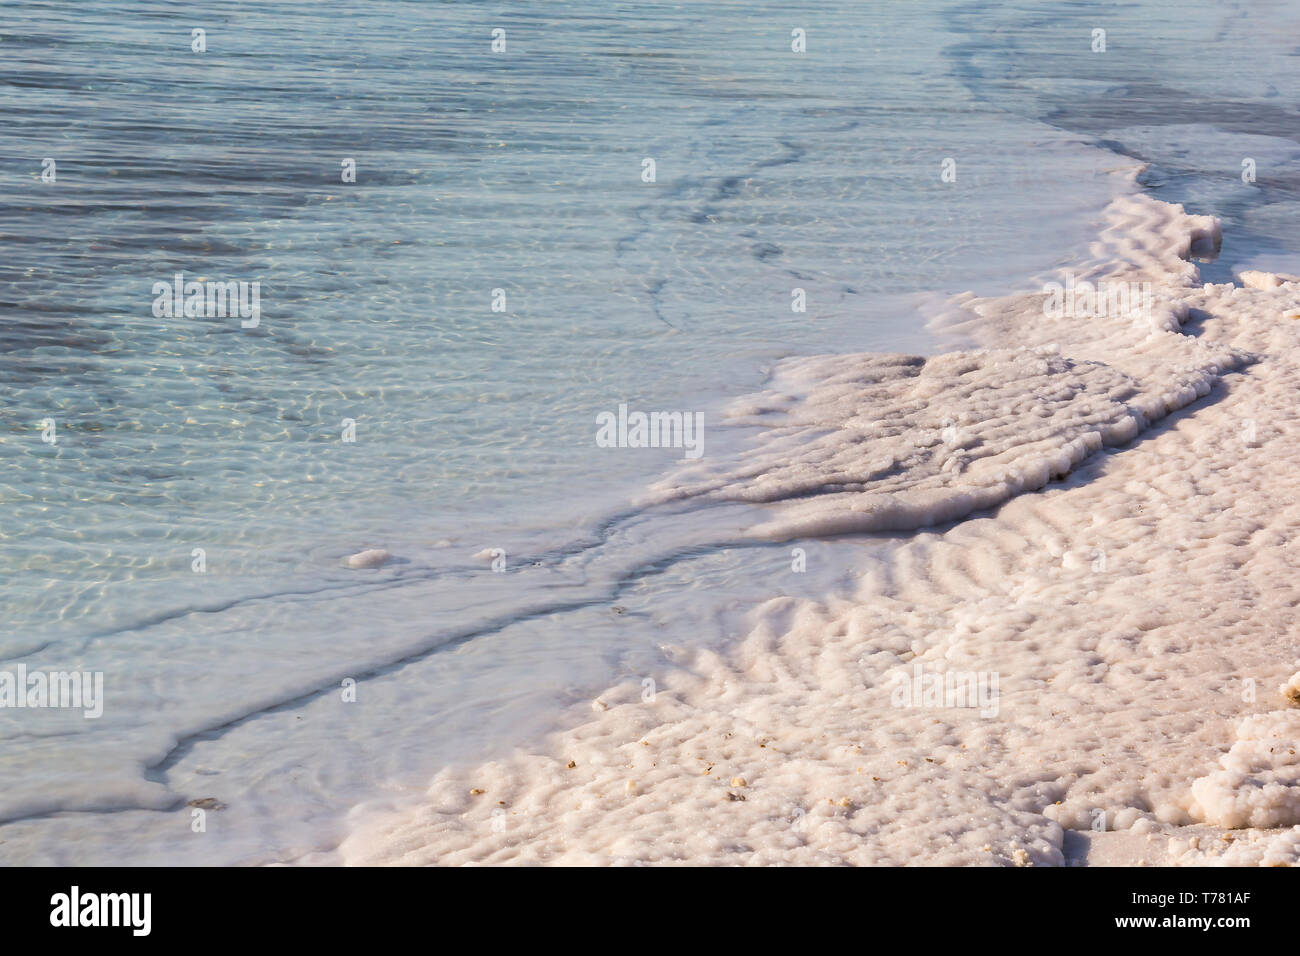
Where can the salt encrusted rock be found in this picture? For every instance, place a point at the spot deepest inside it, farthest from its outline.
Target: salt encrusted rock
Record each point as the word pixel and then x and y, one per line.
pixel 1255 279
pixel 370 558
pixel 1291 689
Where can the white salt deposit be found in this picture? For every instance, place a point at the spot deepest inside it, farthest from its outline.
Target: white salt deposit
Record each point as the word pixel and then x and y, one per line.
pixel 893 443
pixel 1239 848
pixel 370 558
pixel 1126 612
pixel 1254 279
pixel 1258 784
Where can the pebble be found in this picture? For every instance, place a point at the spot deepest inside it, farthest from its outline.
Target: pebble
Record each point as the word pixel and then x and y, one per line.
pixel 371 558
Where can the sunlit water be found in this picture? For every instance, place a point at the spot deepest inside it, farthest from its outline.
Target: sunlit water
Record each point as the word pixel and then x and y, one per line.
pixel 515 179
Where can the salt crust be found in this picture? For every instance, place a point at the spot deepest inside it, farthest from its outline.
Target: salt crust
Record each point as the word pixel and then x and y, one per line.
pixel 1128 611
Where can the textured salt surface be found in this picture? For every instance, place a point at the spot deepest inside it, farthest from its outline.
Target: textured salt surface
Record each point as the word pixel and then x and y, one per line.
pixel 1279 848
pixel 894 443
pixel 1127 613
pixel 1258 783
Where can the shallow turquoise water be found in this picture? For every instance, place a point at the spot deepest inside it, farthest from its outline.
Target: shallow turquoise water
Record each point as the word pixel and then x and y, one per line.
pixel 519 171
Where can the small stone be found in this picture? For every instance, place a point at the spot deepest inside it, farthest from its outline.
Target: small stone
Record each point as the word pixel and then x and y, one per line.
pixel 1291 689
pixel 599 704
pixel 207 803
pixel 738 782
pixel 476 791
pixel 572 764
pixel 371 558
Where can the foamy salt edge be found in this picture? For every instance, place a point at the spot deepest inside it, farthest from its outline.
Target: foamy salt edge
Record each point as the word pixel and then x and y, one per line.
pixel 1123 612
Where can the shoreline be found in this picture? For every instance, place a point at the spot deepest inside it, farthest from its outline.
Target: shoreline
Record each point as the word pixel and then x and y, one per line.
pixel 1119 679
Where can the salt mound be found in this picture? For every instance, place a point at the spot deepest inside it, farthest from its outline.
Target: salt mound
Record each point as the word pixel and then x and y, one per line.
pixel 1257 849
pixel 1259 783
pixel 894 443
pixel 1253 279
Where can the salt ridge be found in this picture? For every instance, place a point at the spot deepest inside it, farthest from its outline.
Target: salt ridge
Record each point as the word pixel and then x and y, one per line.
pixel 863 443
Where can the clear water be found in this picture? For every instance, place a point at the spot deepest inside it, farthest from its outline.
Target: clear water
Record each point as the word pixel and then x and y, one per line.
pixel 475 429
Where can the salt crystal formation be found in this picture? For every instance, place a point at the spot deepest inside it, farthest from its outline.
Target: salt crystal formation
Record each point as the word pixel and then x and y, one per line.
pixel 859 443
pixel 1258 784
